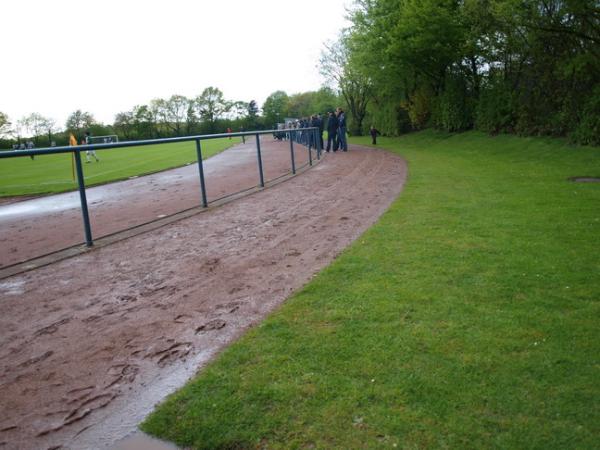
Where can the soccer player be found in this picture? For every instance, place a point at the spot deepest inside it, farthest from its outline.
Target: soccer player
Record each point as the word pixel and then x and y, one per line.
pixel 89 153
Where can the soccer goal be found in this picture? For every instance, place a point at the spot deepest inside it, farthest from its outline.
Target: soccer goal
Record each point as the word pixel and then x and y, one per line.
pixel 108 139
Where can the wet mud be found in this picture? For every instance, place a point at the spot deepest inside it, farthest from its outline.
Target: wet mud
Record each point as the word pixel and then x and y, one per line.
pixel 42 225
pixel 90 344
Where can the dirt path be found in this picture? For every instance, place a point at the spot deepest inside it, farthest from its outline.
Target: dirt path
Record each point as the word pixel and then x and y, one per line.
pixel 88 345
pixel 32 228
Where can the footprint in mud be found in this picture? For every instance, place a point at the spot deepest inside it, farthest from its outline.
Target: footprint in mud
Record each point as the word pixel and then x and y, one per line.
pixel 235 289
pixel 215 324
pixel 84 409
pixel 37 359
pixel 178 350
pixel 293 252
pixel 78 395
pixel 210 265
pixel 163 290
pixel 181 318
pixel 231 307
pixel 127 298
pixel 122 373
pixel 53 328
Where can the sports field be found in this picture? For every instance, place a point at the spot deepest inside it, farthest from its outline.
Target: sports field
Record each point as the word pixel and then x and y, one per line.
pixel 467 317
pixel 54 173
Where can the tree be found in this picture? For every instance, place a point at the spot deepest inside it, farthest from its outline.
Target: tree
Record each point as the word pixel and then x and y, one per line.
pixel 49 127
pixel 78 121
pixel 176 109
pixel 211 105
pixel 354 83
pixel 124 124
pixel 4 124
pixel 145 122
pixel 237 110
pixel 252 116
pixel 530 66
pixel 35 125
pixel 275 108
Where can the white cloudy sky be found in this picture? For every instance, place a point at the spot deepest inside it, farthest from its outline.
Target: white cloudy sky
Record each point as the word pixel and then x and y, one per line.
pixel 105 56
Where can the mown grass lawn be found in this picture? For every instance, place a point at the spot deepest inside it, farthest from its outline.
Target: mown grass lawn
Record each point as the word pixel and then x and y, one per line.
pixel 53 173
pixel 467 317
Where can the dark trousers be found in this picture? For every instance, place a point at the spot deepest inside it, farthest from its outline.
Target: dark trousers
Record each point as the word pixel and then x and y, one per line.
pixel 332 140
pixel 374 136
pixel 343 144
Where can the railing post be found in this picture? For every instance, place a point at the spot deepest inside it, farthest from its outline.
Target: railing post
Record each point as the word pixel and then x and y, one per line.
pixel 201 170
pixel 260 167
pixel 309 152
pixel 292 153
pixel 317 143
pixel 82 197
pixel 320 140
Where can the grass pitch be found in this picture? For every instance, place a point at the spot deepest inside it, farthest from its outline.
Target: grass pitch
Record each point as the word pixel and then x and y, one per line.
pixel 53 173
pixel 467 317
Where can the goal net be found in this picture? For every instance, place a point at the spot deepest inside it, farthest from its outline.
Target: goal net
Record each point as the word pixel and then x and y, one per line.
pixel 108 139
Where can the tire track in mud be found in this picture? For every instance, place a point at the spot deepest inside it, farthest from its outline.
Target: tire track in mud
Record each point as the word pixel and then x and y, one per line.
pixel 89 343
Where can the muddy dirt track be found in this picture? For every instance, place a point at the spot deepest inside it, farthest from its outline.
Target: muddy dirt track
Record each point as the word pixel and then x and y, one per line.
pixel 38 226
pixel 91 343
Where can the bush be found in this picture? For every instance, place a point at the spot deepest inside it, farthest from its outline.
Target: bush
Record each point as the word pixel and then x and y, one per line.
pixel 587 131
pixel 452 109
pixel 495 111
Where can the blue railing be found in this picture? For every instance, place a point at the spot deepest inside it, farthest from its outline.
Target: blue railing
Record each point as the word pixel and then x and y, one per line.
pixel 310 137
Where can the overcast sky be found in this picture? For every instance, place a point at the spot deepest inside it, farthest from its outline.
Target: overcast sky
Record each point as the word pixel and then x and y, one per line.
pixel 105 56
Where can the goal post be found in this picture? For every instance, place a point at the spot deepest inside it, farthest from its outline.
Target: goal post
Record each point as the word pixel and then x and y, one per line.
pixel 108 139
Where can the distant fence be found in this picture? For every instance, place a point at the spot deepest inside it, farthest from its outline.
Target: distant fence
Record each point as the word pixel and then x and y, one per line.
pixel 309 137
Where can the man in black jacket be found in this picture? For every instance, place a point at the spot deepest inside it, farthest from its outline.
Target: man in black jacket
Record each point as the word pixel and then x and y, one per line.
pixel 341 118
pixel 332 126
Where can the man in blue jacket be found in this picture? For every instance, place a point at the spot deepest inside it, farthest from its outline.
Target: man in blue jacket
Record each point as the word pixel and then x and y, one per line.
pixel 341 117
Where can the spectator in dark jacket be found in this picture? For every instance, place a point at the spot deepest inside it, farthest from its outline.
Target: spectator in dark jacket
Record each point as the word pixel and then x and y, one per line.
pixel 374 132
pixel 341 117
pixel 332 127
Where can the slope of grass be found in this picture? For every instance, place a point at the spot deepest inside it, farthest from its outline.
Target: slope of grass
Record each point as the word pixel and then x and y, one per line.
pixel 467 317
pixel 53 173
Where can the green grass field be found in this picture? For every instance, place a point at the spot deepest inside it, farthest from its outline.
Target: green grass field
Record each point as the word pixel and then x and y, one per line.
pixel 53 173
pixel 467 317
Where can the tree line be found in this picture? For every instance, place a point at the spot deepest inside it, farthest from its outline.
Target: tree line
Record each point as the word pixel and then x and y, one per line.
pixel 530 67
pixel 210 112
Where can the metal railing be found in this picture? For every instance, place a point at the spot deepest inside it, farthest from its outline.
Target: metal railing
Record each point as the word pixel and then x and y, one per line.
pixel 309 137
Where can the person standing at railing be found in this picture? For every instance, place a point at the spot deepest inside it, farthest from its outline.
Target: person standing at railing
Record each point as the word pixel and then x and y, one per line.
pixel 341 116
pixel 332 127
pixel 89 153
pixel 314 122
pixel 321 125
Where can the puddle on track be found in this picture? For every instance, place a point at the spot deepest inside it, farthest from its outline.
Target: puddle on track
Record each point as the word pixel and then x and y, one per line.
pixel 141 441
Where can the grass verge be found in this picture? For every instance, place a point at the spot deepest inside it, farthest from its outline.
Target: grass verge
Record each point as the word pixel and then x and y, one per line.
pixel 467 317
pixel 53 173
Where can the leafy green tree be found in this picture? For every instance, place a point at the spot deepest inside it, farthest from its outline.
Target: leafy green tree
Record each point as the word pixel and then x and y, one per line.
pixel 529 66
pixel 176 110
pixel 124 124
pixel 251 119
pixel 211 105
pixel 145 122
pixel 275 108
pixel 4 124
pixel 354 83
pixel 79 121
pixel 34 125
